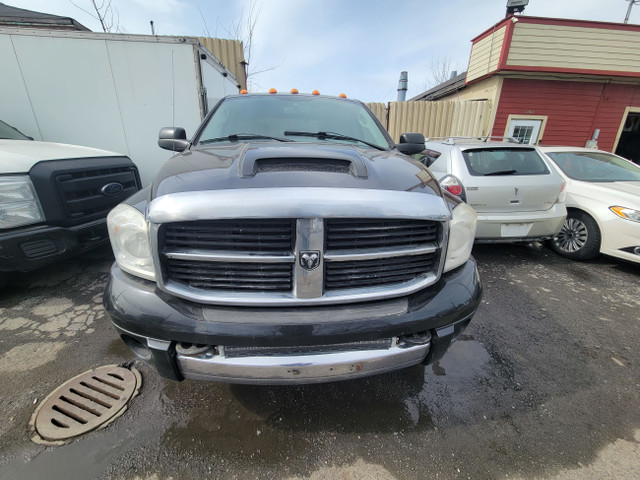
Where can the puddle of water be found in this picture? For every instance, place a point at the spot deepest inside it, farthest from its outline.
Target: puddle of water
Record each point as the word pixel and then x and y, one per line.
pixel 275 422
pixel 118 348
pixel 459 385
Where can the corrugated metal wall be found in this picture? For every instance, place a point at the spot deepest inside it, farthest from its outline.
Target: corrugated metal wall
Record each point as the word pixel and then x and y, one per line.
pixel 574 109
pixel 435 119
pixel 230 53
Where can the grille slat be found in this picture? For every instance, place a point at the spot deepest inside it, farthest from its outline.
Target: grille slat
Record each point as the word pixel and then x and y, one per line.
pixel 252 236
pixel 358 274
pixel 345 234
pixel 228 275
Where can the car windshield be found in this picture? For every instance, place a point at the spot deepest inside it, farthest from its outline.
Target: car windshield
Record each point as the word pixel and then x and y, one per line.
pixel 595 167
pixel 504 161
pixel 293 118
pixel 8 132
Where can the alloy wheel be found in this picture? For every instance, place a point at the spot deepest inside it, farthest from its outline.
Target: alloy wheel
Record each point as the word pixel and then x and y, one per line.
pixel 572 236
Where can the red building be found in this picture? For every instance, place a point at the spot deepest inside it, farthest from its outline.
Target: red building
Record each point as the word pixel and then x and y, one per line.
pixel 556 82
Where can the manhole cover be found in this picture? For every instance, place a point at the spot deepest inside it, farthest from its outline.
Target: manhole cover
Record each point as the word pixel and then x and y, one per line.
pixel 85 403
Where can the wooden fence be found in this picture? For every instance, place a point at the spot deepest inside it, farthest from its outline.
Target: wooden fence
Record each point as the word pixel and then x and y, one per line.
pixel 435 119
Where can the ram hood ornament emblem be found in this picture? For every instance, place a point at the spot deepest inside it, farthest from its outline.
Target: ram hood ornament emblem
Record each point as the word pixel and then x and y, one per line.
pixel 309 259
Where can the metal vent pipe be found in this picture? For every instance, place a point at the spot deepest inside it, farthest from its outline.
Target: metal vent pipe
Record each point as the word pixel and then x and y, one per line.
pixel 402 86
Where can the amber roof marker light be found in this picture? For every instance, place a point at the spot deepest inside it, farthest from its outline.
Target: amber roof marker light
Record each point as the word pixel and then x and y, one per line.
pixel 342 95
pixel 294 91
pixel 243 92
pixel 273 90
pixel 315 92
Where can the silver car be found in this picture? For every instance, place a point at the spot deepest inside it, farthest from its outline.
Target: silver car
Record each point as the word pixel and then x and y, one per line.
pixel 517 193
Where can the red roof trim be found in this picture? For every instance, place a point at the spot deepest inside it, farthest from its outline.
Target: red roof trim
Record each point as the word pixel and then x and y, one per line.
pixel 506 45
pixel 479 79
pixel 584 71
pixel 559 21
pixel 488 32
pixel 580 23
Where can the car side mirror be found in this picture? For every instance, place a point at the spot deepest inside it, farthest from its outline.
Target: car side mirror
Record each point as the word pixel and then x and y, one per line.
pixel 173 138
pixel 411 143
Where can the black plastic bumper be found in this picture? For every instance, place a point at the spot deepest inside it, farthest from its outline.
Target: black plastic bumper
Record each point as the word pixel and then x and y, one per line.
pixel 140 312
pixel 29 248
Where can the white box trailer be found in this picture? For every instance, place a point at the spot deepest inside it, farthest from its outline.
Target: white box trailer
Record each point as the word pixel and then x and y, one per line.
pixel 108 91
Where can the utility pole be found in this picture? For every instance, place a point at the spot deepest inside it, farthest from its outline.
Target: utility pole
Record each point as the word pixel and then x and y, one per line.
pixel 631 4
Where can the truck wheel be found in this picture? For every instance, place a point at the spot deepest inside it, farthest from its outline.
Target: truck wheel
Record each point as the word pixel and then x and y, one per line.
pixel 579 237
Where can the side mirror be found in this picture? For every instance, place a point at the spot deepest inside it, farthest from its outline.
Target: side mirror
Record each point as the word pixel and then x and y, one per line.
pixel 411 143
pixel 173 138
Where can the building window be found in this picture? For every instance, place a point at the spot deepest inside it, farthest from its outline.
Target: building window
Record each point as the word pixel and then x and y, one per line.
pixel 526 131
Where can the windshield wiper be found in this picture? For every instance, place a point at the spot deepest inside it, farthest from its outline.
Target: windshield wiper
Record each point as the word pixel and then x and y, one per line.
pixel 500 172
pixel 234 137
pixel 333 136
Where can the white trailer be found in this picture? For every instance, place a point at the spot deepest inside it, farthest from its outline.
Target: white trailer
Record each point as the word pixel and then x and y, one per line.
pixel 108 91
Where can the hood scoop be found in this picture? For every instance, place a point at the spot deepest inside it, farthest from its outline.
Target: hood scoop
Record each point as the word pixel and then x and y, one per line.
pixel 301 159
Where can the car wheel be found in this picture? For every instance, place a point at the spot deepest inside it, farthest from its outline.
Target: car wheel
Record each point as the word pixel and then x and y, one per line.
pixel 579 237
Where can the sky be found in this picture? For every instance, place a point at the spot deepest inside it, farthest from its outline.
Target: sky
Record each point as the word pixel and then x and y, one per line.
pixel 356 47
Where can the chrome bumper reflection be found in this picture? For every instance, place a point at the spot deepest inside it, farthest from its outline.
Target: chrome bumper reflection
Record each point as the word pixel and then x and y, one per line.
pixel 296 369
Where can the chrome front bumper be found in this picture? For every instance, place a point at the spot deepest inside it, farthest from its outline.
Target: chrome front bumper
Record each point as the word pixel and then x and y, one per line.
pixel 296 369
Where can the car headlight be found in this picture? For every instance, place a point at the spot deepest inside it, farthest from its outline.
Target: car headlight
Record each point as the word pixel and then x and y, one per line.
pixel 626 213
pixel 19 204
pixel 462 232
pixel 129 235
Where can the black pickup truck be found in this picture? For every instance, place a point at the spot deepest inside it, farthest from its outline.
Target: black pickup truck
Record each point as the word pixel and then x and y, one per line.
pixel 291 241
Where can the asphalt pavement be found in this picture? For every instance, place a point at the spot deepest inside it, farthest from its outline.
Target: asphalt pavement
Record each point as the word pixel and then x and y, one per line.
pixel 545 383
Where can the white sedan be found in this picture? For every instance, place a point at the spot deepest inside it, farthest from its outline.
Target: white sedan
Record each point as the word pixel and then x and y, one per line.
pixel 603 204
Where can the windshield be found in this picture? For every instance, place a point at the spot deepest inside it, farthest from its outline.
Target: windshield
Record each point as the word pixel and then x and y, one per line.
pixel 504 161
pixel 11 133
pixel 278 117
pixel 595 167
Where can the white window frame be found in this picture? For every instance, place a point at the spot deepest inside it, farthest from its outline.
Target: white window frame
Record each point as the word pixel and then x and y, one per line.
pixel 539 121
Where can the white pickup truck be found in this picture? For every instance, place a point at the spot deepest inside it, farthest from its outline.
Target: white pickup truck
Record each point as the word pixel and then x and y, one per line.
pixel 54 199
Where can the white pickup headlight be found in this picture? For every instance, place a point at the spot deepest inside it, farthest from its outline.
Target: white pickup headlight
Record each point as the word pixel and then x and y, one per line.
pixel 462 232
pixel 129 235
pixel 19 203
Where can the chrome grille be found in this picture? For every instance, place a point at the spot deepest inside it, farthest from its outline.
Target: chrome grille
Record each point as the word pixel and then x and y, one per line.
pixel 258 262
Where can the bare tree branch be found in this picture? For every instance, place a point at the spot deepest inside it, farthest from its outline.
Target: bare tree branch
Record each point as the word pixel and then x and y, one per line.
pixel 104 13
pixel 244 31
pixel 207 33
pixel 440 69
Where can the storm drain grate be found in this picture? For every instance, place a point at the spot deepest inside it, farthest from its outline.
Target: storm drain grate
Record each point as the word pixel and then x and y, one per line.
pixel 85 403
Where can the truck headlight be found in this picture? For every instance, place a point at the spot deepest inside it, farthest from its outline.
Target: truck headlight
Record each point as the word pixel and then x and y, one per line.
pixel 626 213
pixel 462 232
pixel 19 204
pixel 129 235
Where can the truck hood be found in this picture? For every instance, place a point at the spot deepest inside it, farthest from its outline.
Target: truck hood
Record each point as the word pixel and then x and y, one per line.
pixel 295 164
pixel 18 156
